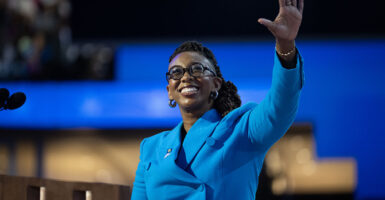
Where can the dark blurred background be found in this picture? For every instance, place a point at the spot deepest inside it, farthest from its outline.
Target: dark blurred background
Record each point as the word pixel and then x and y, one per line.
pixel 46 39
pixel 229 18
pixel 93 73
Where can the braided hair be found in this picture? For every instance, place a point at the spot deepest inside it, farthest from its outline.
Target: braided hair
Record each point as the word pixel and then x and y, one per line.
pixel 228 98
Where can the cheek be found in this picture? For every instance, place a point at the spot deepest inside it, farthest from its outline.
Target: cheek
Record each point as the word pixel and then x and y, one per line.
pixel 172 85
pixel 208 84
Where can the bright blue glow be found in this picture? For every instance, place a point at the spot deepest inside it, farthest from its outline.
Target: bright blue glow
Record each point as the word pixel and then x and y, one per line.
pixel 237 60
pixel 89 105
pixel 343 96
pixel 96 105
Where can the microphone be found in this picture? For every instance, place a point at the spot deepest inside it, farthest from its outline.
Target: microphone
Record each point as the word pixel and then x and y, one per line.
pixel 16 100
pixel 4 94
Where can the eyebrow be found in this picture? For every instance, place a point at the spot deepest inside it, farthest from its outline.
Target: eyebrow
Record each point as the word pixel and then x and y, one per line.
pixel 188 65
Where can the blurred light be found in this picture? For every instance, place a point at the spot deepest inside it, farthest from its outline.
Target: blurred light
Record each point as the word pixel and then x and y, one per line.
pixel 103 176
pixel 87 163
pixel 297 142
pixel 49 3
pixel 72 53
pixel 279 185
pixel 303 156
pixel 274 163
pixel 87 50
pixel 309 168
pixel 64 9
pixel 92 107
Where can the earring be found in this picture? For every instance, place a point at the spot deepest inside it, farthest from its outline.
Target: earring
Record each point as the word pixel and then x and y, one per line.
pixel 214 95
pixel 172 103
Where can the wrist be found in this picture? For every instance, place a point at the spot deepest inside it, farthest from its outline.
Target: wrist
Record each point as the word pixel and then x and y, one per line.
pixel 286 49
pixel 284 46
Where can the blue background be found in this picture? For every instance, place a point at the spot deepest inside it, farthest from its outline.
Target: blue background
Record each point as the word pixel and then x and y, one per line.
pixel 343 97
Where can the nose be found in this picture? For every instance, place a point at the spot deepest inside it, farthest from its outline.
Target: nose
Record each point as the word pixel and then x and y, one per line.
pixel 186 76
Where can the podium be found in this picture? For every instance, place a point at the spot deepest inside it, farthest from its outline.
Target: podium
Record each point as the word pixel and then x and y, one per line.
pixel 29 188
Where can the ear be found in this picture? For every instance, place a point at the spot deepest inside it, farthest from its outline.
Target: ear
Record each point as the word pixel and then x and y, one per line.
pixel 217 83
pixel 169 94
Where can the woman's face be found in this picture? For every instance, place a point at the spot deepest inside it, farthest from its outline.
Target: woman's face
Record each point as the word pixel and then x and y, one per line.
pixel 193 93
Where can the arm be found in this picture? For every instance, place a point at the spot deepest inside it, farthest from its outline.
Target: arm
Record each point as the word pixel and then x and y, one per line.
pixel 139 188
pixel 274 115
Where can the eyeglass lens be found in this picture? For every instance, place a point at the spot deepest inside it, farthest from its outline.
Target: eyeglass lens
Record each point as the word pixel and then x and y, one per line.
pixel 195 70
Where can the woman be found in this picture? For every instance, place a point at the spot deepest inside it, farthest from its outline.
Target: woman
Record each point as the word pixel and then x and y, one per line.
pixel 217 151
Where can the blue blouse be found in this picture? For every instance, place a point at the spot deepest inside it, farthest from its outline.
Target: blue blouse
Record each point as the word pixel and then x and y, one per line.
pixel 220 158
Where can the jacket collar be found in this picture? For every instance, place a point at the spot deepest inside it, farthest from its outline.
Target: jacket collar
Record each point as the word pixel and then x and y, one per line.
pixel 194 139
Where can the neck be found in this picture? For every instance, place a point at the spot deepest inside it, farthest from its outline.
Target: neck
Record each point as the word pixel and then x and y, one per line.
pixel 190 117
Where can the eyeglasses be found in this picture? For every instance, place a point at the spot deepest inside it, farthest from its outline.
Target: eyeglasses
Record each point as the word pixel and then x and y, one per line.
pixel 195 70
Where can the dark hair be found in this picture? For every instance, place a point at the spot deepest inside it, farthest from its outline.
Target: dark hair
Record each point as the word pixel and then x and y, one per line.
pixel 228 98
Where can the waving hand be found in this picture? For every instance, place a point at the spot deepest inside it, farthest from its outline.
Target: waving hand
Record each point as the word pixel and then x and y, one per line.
pixel 286 25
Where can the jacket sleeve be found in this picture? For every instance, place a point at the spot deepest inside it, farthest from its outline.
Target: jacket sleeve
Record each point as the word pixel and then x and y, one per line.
pixel 139 186
pixel 269 121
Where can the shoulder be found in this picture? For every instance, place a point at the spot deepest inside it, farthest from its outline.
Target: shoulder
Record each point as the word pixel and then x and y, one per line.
pixel 149 144
pixel 237 116
pixel 240 112
pixel 155 140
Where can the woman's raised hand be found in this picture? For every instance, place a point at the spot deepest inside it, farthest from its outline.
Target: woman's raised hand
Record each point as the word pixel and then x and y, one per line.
pixel 286 25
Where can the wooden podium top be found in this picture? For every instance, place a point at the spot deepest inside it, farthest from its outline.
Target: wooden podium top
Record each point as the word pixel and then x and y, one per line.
pixel 30 188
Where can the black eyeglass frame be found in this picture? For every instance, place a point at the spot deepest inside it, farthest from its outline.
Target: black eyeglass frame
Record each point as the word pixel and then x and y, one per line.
pixel 189 70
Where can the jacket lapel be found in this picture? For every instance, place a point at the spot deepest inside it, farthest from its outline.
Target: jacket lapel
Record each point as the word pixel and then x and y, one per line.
pixel 170 148
pixel 168 165
pixel 193 141
pixel 198 134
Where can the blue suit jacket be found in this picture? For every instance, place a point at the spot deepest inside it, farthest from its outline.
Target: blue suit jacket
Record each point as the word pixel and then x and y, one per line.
pixel 220 158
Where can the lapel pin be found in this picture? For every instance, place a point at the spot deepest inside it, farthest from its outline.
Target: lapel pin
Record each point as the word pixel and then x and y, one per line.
pixel 168 153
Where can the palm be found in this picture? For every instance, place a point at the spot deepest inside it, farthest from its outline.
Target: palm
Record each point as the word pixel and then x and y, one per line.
pixel 287 23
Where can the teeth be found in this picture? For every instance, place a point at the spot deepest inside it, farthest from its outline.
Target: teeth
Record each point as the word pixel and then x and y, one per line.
pixel 189 89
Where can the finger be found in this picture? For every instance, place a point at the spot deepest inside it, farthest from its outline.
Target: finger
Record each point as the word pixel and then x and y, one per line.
pixel 281 3
pixel 295 3
pixel 288 3
pixel 269 24
pixel 301 6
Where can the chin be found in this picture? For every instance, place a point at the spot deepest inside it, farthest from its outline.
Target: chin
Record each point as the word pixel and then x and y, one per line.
pixel 191 105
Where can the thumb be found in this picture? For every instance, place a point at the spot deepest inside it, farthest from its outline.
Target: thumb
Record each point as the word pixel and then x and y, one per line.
pixel 269 24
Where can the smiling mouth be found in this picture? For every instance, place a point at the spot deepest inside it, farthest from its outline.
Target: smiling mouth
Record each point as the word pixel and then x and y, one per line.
pixel 187 91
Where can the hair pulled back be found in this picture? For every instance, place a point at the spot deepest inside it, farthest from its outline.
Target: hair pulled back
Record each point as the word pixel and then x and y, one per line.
pixel 228 98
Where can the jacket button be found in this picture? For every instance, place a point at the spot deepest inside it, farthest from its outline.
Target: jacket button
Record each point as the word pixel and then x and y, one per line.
pixel 210 141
